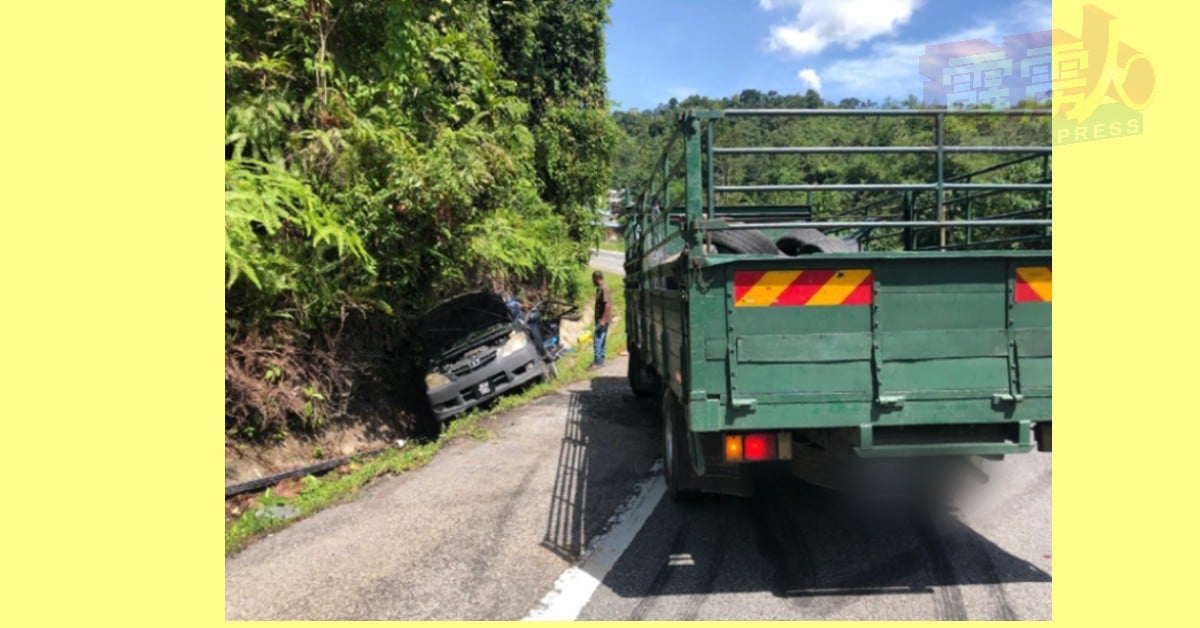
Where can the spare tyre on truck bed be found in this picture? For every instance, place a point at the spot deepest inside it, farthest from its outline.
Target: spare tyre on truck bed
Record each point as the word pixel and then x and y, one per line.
pixel 766 336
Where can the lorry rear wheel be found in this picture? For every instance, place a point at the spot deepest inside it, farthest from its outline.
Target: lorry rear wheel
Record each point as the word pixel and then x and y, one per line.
pixel 676 463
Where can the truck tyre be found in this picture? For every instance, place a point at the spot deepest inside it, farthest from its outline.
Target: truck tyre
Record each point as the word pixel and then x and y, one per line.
pixel 676 464
pixel 838 245
pixel 806 241
pixel 735 242
pixel 641 379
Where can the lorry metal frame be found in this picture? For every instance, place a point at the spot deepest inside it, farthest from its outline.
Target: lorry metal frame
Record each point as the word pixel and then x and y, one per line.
pixel 938 349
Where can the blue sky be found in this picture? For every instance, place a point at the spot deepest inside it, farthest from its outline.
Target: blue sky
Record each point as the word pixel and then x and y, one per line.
pixel 866 49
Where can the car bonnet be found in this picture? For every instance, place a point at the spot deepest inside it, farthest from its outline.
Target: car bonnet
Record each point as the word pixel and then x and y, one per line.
pixel 459 318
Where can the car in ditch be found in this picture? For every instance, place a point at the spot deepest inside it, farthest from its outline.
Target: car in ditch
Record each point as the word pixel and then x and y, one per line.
pixel 477 351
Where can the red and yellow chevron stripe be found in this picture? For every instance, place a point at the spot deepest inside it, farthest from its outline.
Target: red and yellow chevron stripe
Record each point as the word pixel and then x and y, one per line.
pixel 775 288
pixel 1033 285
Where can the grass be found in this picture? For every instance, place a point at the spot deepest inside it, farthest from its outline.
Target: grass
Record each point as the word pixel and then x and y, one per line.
pixel 615 245
pixel 344 485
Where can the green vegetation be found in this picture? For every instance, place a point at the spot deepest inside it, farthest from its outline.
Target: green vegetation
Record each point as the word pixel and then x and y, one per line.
pixel 645 134
pixel 383 155
pixel 334 488
pixel 340 486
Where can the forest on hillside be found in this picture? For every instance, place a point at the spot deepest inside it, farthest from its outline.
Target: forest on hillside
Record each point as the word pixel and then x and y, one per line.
pixel 645 133
pixel 380 156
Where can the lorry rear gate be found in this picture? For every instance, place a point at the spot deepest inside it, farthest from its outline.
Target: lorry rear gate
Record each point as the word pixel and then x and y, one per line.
pixel 914 325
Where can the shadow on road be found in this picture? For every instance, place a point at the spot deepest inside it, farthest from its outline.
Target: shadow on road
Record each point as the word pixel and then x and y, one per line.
pixel 822 544
pixel 791 539
pixel 608 445
pixel 798 541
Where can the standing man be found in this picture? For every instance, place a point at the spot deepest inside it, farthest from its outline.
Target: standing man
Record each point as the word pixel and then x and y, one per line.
pixel 603 317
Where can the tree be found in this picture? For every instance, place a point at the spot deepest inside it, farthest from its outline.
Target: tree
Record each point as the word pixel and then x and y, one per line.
pixel 380 156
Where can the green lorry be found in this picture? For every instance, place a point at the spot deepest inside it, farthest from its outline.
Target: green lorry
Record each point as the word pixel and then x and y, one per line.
pixel 844 323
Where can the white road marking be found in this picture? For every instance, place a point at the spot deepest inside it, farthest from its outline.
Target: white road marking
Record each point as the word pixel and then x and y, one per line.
pixel 574 588
pixel 680 560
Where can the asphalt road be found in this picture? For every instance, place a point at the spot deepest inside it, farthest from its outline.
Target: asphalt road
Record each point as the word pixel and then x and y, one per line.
pixel 608 261
pixel 489 529
pixel 796 552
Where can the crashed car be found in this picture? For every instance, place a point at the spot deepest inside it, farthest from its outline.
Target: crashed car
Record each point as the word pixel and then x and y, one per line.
pixel 477 351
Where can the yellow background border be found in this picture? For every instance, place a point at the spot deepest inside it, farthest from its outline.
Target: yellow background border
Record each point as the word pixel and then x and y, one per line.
pixel 113 309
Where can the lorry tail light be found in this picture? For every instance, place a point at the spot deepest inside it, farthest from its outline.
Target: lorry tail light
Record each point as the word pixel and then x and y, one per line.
pixel 752 447
pixel 733 448
pixel 760 447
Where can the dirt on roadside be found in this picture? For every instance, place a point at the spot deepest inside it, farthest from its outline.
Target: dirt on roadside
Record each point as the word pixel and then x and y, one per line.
pixel 378 418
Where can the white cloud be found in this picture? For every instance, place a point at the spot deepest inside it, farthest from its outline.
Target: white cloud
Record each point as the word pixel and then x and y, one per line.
pixel 810 78
pixel 1030 16
pixel 848 23
pixel 891 68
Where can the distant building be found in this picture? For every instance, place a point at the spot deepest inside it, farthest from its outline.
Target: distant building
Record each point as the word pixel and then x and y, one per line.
pixel 616 202
pixel 609 216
